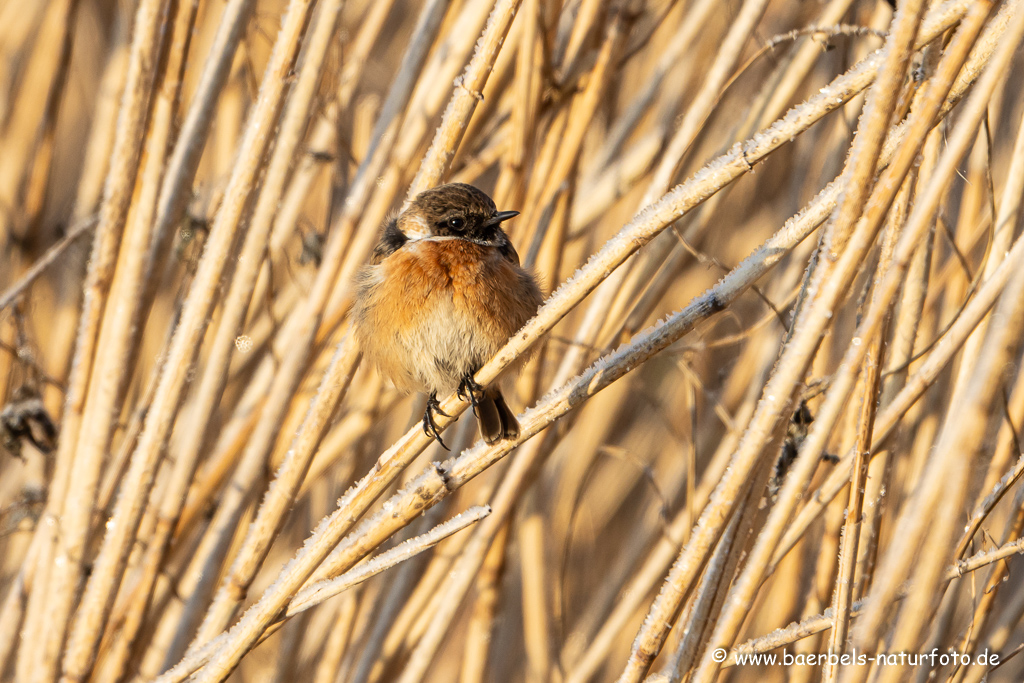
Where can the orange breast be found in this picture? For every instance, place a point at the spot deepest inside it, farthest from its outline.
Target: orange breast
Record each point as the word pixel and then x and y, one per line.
pixel 458 278
pixel 436 309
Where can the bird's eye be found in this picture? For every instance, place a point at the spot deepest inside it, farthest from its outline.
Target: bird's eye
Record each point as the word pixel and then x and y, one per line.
pixel 456 223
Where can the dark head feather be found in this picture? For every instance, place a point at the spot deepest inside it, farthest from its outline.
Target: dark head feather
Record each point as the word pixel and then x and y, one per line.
pixel 456 210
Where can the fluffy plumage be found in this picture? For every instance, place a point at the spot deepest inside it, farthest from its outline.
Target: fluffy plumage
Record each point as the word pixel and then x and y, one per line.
pixel 443 293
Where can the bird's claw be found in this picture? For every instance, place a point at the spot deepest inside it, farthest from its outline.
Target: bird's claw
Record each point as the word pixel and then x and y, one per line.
pixel 469 390
pixel 429 424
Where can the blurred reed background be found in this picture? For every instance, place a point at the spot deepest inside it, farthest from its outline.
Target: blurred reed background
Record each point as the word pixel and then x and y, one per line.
pixel 783 394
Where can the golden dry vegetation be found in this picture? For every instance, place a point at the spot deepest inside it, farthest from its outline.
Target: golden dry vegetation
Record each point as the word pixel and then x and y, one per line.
pixel 774 398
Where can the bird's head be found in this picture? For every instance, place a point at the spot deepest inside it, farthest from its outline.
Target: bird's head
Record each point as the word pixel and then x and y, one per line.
pixel 453 210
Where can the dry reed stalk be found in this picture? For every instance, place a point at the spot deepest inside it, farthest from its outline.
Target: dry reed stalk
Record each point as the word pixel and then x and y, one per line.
pixel 709 606
pixel 26 163
pixel 117 336
pixel 337 643
pixel 79 229
pixel 472 560
pixel 957 437
pixel 185 158
pixel 316 593
pixel 821 622
pixel 394 602
pixel 700 107
pixel 465 569
pixel 250 258
pixel 34 186
pixel 984 609
pixel 666 266
pixel 309 450
pixel 900 351
pixel 1003 228
pixel 109 564
pixel 663 337
pixel 1008 215
pixel 706 602
pixel 484 611
pixel 58 589
pixel 680 525
pixel 915 225
pixel 697 113
pixel 660 335
pixel 868 387
pixel 558 121
pixel 285 382
pixel 519 149
pixel 955 337
pixel 325 137
pixel 579 115
pixel 492 24
pixel 914 386
pixel 536 572
pixel 408 625
pixel 801 62
pixel 659 559
pixel 844 247
pixel 950 344
pixel 237 300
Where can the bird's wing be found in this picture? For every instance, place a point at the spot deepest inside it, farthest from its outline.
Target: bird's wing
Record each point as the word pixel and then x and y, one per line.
pixel 508 251
pixel 391 240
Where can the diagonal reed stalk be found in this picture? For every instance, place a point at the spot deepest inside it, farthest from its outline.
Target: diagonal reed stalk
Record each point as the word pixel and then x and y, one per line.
pixel 671 496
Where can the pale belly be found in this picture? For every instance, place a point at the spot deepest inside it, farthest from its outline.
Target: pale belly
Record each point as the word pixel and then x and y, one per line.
pixel 426 326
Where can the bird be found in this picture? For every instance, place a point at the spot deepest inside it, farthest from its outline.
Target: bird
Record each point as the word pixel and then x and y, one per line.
pixel 443 292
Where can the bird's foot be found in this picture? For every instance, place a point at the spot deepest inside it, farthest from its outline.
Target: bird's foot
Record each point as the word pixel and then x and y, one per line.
pixel 429 424
pixel 469 390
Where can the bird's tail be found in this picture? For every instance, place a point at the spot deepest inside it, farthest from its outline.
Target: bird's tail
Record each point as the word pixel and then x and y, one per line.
pixel 496 420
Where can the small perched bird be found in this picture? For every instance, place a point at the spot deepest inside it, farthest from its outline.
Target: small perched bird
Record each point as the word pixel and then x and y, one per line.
pixel 443 292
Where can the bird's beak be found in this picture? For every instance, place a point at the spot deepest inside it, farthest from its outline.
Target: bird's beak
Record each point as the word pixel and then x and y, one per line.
pixel 502 216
